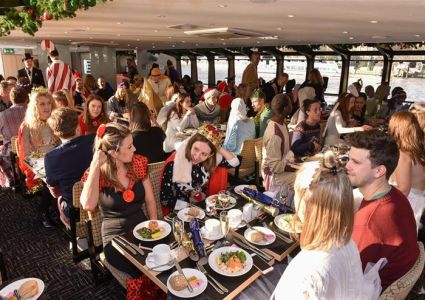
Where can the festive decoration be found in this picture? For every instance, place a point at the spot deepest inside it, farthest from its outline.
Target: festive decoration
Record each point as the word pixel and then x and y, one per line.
pixel 30 17
pixel 101 130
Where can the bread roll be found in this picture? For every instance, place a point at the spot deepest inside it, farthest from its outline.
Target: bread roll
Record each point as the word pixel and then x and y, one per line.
pixel 28 289
pixel 255 236
pixel 193 211
pixel 178 282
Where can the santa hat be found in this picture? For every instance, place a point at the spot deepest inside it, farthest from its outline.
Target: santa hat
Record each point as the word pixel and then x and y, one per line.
pixel 209 92
pixel 223 87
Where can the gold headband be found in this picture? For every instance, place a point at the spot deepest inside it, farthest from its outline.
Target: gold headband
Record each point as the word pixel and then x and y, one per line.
pixel 212 134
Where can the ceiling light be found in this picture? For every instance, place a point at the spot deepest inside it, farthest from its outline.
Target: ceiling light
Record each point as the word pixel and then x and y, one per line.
pixel 169 37
pixel 196 44
pixel 224 43
pixel 138 40
pixel 258 42
pixel 351 38
pixel 91 37
pixel 291 16
pixel 222 5
pixel 183 42
pixel 118 23
pixel 374 22
pixel 66 32
pixel 155 30
pixel 417 35
pixel 379 37
pixel 128 45
pixel 345 32
pixel 279 28
pixel 262 1
pixel 118 34
pixel 69 40
pixel 153 47
pixel 173 46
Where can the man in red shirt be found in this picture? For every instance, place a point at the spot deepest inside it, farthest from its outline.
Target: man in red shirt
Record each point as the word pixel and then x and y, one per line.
pixel 384 225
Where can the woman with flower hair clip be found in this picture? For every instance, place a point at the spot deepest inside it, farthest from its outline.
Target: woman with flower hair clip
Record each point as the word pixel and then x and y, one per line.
pixel 191 171
pixel 117 182
pixel 329 265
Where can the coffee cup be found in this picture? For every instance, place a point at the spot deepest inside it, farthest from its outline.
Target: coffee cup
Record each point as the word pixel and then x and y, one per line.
pixel 212 227
pixel 160 254
pixel 235 217
pixel 223 127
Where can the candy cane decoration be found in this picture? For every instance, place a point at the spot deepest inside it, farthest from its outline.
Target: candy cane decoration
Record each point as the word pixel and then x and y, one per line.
pixel 47 45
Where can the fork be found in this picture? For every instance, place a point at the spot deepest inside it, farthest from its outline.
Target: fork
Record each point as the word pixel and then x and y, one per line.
pixel 201 268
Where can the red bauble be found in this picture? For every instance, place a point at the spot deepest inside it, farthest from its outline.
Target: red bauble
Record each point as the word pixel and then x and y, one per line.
pixel 30 11
pixel 47 16
pixel 128 196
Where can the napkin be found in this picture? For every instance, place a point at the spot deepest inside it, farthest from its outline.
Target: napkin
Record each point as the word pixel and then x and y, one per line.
pixel 262 198
pixel 196 237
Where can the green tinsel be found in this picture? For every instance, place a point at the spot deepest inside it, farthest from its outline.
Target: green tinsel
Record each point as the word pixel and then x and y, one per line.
pixel 13 18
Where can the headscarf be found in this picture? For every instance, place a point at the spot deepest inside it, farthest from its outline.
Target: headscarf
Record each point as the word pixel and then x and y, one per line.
pixel 237 112
pixel 353 90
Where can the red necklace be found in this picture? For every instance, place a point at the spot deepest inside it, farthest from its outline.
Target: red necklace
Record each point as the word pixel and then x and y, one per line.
pixel 128 194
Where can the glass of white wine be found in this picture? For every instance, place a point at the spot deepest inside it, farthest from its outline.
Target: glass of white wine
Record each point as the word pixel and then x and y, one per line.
pixel 224 223
pixel 178 230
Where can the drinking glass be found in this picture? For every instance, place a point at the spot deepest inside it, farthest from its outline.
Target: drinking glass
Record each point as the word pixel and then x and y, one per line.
pixel 224 223
pixel 178 228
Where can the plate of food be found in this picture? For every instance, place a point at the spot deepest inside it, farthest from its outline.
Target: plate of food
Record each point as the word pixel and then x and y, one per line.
pixel 230 261
pixel 239 188
pixel 28 289
pixel 260 235
pixel 286 223
pixel 222 203
pixel 152 230
pixel 188 213
pixel 177 284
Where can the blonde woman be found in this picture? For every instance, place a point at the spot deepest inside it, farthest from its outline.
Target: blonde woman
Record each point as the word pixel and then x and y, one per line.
pixel 34 135
pixel 329 265
pixel 117 182
pixel 118 103
pixel 409 175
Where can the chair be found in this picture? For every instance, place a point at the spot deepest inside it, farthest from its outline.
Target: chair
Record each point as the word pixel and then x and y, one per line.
pixel 259 161
pixel 3 273
pixel 17 174
pixel 154 171
pixel 400 288
pixel 249 157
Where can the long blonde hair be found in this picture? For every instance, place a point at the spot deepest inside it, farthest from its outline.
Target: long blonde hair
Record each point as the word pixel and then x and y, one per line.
pixel 112 140
pixel 32 114
pixel 405 129
pixel 329 205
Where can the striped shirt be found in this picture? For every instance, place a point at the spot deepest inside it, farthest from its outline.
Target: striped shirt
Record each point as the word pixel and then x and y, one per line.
pixel 10 120
pixel 59 76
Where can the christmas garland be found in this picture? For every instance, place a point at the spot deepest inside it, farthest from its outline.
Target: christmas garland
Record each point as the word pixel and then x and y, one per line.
pixel 31 15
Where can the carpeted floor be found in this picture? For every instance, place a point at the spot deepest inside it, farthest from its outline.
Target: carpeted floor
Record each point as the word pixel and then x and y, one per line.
pixel 30 250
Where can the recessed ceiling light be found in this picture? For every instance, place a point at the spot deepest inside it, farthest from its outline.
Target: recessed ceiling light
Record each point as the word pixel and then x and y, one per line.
pixel 279 28
pixel 183 42
pixel 224 43
pixel 153 47
pixel 196 44
pixel 69 40
pixel 221 39
pixel 112 42
pixel 222 5
pixel 118 23
pixel 155 30
pixel 379 37
pixel 291 16
pixel 138 40
pixel 169 37
pixel 128 45
pixel 258 42
pixel 118 34
pixel 374 22
pixel 417 35
pixel 345 32
pixel 173 46
pixel 351 38
pixel 66 32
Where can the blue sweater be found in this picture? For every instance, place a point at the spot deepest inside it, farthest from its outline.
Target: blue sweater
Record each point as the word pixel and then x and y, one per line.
pixel 302 139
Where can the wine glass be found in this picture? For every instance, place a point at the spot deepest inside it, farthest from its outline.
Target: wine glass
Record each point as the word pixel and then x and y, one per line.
pixel 178 230
pixel 224 223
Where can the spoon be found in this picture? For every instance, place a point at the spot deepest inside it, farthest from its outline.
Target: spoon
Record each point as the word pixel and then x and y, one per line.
pixel 170 263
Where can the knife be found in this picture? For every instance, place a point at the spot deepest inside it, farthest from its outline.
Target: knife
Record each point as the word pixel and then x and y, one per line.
pixel 140 251
pixel 124 246
pixel 278 234
pixel 248 247
pixel 179 269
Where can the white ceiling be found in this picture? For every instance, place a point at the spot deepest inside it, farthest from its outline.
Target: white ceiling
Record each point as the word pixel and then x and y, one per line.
pixel 145 23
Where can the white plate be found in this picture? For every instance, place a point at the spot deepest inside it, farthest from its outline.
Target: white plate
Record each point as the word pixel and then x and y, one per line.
pixel 212 261
pixel 185 292
pixel 208 236
pixel 151 264
pixel 211 200
pixel 239 188
pixel 162 224
pixel 185 217
pixel 284 225
pixel 263 242
pixel 15 286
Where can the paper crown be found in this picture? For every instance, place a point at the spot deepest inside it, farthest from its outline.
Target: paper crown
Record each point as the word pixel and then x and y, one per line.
pixel 39 90
pixel 257 94
pixel 212 134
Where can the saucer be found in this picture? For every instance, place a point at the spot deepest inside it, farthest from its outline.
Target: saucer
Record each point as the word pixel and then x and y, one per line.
pixel 208 236
pixel 152 264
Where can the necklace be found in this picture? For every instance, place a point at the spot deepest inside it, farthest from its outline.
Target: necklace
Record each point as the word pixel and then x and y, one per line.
pixel 128 194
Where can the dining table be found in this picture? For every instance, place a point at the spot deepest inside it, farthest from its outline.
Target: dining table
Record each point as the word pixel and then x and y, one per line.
pixel 270 255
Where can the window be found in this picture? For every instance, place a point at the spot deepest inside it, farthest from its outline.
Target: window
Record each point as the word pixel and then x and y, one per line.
pixel 295 67
pixel 408 72
pixel 240 64
pixel 202 64
pixel 329 66
pixel 186 66
pixel 221 68
pixel 266 68
pixel 367 68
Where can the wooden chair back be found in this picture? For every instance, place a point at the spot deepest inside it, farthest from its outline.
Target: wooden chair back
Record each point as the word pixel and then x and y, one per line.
pixel 154 171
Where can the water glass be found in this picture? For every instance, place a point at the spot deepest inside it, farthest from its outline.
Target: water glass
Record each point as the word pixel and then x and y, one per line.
pixel 224 223
pixel 178 228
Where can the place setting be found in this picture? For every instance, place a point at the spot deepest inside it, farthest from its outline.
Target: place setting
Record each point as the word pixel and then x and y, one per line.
pixel 28 289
